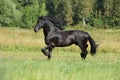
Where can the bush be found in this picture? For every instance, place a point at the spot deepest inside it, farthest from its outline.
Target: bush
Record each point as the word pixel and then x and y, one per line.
pixel 98 22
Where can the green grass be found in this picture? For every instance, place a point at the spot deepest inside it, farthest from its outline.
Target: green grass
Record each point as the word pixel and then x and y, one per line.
pixel 21 58
pixel 60 69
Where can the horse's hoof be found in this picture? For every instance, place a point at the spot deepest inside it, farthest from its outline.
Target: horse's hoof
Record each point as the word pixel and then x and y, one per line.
pixel 49 57
pixel 83 58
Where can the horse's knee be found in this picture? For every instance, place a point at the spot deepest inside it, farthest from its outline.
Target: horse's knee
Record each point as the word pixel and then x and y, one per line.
pixel 43 51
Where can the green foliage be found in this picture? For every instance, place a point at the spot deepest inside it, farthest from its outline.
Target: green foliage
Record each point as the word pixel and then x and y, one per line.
pixel 21 13
pixel 77 15
pixel 98 22
pixel 68 11
pixel 60 8
pixel 108 11
pixel 24 13
pixel 9 15
pixel 31 9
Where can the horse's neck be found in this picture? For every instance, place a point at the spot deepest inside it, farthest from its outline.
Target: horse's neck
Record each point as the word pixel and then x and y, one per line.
pixel 48 29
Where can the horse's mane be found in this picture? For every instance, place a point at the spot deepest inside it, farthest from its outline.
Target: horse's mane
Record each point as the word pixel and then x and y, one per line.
pixel 59 23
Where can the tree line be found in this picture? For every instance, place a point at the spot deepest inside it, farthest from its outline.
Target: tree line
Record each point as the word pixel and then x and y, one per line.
pixel 93 13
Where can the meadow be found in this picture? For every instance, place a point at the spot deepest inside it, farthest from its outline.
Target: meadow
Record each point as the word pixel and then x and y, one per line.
pixel 21 57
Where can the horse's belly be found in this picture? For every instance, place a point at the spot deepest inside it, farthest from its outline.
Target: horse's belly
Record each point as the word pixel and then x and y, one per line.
pixel 64 43
pixel 60 41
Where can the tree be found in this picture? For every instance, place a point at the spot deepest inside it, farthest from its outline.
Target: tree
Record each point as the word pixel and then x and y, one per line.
pixel 77 8
pixel 30 10
pixel 87 10
pixel 68 13
pixel 99 8
pixel 24 13
pixel 116 13
pixel 60 8
pixel 9 15
pixel 112 13
pixel 116 8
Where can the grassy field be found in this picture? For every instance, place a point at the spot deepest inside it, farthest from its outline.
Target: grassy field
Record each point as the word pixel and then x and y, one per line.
pixel 21 58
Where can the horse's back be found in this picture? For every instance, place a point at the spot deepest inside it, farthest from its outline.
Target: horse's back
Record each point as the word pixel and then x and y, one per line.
pixel 79 33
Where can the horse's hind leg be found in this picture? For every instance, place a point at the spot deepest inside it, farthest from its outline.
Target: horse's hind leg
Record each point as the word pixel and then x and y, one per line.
pixel 84 54
pixel 84 51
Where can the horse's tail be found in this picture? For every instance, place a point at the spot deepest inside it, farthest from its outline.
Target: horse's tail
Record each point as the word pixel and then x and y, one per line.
pixel 93 45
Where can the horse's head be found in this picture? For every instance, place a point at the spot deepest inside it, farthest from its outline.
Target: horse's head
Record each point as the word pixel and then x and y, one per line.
pixel 40 23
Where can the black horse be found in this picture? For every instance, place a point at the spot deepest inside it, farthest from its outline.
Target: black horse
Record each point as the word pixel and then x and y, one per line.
pixel 59 38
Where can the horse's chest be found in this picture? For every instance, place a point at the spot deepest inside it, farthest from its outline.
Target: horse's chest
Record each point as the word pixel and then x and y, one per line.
pixel 51 39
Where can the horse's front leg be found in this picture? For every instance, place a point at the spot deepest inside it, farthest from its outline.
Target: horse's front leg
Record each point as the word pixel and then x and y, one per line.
pixel 50 53
pixel 47 51
pixel 44 50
